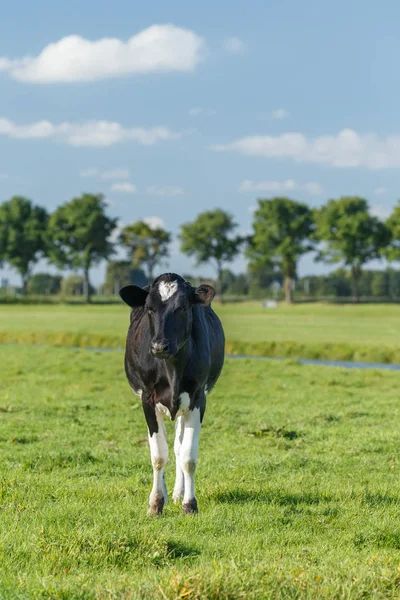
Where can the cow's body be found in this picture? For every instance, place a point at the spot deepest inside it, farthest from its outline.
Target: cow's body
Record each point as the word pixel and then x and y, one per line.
pixel 174 356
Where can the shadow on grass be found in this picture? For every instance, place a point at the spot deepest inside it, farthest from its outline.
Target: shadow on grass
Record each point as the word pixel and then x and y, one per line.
pixel 178 550
pixel 242 496
pixel 378 539
pixel 379 499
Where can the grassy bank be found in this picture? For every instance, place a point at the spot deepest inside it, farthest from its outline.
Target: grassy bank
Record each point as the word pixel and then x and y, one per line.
pixel 366 333
pixel 298 485
pixel 283 349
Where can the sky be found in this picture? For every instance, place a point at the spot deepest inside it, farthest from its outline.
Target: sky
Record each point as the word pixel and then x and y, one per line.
pixel 173 108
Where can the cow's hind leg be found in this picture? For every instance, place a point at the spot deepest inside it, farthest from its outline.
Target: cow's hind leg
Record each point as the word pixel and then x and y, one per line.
pixel 188 457
pixel 159 458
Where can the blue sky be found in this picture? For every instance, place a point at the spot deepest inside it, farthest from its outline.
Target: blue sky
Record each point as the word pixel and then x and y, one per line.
pixel 219 104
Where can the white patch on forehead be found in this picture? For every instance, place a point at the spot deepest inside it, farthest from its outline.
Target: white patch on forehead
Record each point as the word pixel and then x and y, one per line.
pixel 167 289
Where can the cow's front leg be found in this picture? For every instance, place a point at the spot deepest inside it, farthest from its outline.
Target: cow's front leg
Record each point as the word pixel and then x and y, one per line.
pixel 188 457
pixel 159 458
pixel 179 480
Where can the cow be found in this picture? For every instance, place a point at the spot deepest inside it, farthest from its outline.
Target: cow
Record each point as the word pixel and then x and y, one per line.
pixel 174 356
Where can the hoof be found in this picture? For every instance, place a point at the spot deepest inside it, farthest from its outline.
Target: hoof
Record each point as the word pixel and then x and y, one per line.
pixel 190 508
pixel 155 508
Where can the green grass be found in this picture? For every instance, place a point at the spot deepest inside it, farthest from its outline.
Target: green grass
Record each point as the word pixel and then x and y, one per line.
pixel 298 484
pixel 364 332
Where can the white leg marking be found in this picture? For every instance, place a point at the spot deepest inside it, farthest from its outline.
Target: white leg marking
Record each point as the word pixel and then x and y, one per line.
pixel 179 480
pixel 159 458
pixel 189 450
pixel 184 403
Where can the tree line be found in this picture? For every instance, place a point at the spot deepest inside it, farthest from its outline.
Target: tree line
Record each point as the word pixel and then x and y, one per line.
pixel 79 234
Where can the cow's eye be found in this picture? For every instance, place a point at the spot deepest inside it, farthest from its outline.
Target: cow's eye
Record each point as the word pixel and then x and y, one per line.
pixel 183 309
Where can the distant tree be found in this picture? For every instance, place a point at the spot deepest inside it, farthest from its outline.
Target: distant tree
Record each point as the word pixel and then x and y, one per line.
pixel 240 287
pixel 394 283
pixel 79 235
pixel 147 246
pixel 22 235
pixel 380 284
pixel 237 285
pixel 118 274
pixel 227 280
pixel 282 232
pixel 261 277
pixel 350 235
pixel 392 252
pixel 44 284
pixel 74 285
pixel 210 238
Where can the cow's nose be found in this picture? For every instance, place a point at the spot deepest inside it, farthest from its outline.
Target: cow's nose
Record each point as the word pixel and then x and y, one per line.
pixel 159 349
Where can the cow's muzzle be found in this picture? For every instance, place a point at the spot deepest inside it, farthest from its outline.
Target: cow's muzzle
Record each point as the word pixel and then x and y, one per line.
pixel 160 349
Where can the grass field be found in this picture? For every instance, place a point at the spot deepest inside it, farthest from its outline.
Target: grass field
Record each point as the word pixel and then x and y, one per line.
pixel 298 484
pixel 364 332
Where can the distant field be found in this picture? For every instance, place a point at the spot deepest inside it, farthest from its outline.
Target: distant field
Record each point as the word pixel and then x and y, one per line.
pixel 298 485
pixel 369 324
pixel 364 332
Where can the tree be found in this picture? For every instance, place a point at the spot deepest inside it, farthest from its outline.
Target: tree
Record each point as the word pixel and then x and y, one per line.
pixel 22 235
pixel 380 284
pixel 147 246
pixel 210 238
pixel 79 235
pixel 350 235
pixel 74 285
pixel 120 273
pixel 44 284
pixel 261 277
pixel 282 232
pixel 392 252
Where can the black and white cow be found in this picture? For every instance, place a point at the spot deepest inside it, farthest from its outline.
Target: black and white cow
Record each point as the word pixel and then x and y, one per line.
pixel 174 356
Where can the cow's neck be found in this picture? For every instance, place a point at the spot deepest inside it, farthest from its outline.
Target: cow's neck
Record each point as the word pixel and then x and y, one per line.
pixel 176 366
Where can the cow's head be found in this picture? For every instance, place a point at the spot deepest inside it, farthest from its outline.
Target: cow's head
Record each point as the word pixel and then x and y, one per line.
pixel 168 303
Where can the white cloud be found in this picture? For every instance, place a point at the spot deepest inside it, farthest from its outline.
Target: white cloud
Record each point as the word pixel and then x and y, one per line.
pixel 166 190
pixel 159 48
pixel 6 64
pixel 91 172
pixel 345 149
pixel 234 45
pixel 290 185
pixel 380 211
pixel 154 222
pixel 203 112
pixel 117 173
pixel 91 133
pixel 124 187
pixel 380 191
pixel 279 113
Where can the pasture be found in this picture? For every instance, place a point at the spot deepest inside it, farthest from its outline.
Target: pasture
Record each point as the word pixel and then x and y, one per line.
pixel 363 332
pixel 297 482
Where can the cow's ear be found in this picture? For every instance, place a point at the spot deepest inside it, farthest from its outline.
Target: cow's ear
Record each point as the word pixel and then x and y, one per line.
pixel 203 294
pixel 133 295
